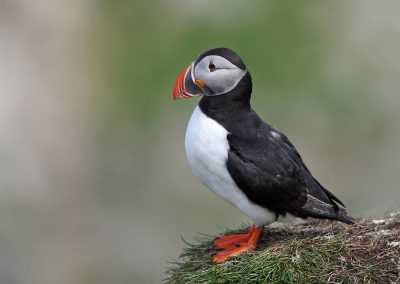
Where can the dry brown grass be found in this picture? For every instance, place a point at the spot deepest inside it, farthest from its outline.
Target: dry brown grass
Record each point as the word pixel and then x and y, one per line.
pixel 313 252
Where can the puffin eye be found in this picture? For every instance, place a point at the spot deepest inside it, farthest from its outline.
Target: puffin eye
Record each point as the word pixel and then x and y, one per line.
pixel 212 67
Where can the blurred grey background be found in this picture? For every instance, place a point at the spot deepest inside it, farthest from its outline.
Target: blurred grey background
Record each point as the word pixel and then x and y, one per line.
pixel 94 185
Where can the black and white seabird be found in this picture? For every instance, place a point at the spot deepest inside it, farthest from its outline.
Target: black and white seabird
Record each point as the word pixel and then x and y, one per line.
pixel 244 160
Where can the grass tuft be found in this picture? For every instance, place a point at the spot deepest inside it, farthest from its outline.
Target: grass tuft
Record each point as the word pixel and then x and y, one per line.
pixel 313 252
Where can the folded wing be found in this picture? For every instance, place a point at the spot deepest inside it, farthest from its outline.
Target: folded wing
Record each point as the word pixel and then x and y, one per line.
pixel 271 173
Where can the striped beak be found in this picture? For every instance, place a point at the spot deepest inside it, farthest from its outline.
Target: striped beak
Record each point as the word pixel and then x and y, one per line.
pixel 185 86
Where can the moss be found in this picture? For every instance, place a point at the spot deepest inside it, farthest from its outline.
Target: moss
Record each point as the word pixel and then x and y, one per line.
pixel 313 252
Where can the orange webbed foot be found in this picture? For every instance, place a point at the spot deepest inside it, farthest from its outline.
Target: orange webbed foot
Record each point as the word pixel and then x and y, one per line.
pixel 232 251
pixel 236 244
pixel 225 242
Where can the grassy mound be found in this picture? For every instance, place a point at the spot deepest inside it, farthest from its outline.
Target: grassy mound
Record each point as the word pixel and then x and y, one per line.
pixel 313 252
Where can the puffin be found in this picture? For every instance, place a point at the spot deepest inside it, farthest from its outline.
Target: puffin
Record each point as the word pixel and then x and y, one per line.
pixel 244 160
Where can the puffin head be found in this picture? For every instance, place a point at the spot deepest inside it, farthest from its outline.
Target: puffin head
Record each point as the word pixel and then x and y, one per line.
pixel 215 72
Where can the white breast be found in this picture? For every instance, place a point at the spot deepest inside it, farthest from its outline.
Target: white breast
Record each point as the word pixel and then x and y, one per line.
pixel 207 152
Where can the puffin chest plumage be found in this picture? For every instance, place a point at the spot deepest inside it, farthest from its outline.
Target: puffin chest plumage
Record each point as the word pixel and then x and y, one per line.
pixel 207 149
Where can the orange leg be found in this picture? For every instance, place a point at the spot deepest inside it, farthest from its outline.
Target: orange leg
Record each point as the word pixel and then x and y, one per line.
pixel 225 242
pixel 237 248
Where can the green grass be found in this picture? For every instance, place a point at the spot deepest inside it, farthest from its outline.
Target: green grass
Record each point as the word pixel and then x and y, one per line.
pixel 314 252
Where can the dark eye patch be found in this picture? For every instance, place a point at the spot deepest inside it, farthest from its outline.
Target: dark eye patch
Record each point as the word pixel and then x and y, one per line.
pixel 212 67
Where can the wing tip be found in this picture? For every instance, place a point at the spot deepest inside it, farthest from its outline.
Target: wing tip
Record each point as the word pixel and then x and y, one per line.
pixel 346 219
pixel 343 217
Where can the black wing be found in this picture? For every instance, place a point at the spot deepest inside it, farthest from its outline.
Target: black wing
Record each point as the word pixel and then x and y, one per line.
pixel 296 156
pixel 271 173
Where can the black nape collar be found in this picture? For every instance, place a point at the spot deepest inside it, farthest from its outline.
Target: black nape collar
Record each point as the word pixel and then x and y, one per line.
pixel 230 107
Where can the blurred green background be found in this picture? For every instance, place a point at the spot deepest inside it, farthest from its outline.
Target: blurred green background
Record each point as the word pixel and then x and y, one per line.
pixel 94 185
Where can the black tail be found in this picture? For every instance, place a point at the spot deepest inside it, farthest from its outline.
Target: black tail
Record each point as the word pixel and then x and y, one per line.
pixel 321 210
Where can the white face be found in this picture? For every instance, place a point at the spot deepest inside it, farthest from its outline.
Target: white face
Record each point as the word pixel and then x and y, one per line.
pixel 218 74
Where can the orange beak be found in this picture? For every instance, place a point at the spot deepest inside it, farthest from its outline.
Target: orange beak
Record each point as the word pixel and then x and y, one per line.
pixel 184 86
